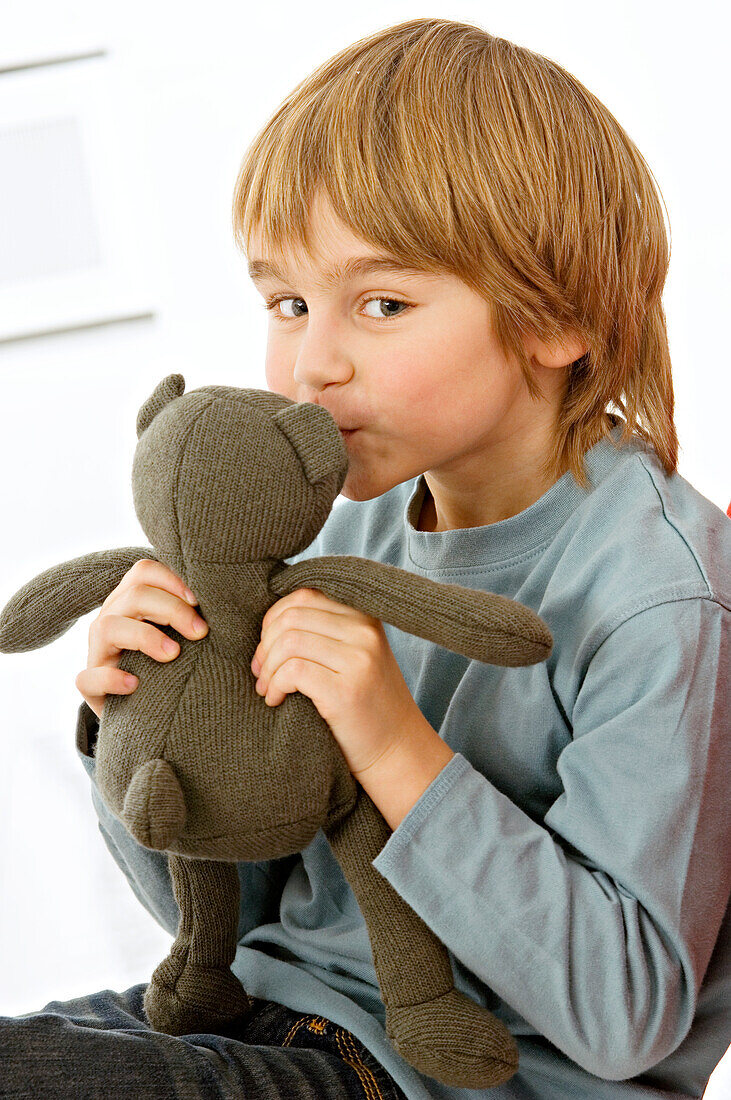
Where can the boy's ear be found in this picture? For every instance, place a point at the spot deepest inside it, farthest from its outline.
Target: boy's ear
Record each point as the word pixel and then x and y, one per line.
pixel 559 353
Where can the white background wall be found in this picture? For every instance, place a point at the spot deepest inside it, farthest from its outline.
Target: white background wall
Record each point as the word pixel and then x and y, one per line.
pixel 198 83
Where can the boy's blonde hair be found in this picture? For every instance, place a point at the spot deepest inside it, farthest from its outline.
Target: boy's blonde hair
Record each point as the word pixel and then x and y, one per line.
pixel 462 153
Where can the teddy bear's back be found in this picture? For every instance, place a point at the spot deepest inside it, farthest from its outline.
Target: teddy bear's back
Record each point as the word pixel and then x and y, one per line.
pixel 258 782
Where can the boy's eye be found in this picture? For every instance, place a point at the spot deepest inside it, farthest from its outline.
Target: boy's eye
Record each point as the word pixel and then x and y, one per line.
pixel 273 302
pixel 389 302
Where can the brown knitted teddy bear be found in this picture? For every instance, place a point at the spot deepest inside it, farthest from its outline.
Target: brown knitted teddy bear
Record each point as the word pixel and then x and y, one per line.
pixel 228 483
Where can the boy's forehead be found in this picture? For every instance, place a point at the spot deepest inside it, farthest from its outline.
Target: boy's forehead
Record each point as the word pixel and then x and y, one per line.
pixel 333 253
pixel 341 270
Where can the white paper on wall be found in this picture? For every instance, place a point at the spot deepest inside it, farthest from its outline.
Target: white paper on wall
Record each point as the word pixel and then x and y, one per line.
pixel 72 201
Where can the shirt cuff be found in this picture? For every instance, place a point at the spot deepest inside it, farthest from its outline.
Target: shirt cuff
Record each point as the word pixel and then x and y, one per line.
pixel 87 728
pixel 387 860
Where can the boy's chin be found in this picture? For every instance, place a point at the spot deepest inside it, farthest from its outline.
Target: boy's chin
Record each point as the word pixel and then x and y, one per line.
pixel 354 494
pixel 358 489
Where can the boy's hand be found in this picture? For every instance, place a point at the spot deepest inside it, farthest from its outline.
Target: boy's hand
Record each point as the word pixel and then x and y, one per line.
pixel 340 658
pixel 149 590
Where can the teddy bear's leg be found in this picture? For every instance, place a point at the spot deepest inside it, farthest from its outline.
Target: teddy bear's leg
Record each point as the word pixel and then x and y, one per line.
pixel 430 1023
pixel 194 988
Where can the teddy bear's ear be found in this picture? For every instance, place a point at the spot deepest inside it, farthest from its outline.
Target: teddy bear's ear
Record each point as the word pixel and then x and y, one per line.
pixel 315 437
pixel 162 395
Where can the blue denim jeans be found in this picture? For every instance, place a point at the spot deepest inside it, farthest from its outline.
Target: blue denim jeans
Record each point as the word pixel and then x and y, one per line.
pixel 101 1046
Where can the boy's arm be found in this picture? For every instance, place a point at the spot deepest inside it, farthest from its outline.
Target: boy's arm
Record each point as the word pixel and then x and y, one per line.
pixel 147 870
pixel 597 924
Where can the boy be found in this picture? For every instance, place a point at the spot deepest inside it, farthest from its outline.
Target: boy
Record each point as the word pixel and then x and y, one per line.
pixel 560 827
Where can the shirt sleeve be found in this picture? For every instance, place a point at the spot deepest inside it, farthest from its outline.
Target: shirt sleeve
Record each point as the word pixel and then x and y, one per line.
pixel 596 925
pixel 147 870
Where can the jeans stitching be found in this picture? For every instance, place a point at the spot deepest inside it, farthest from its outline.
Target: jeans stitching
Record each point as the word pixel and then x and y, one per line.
pixel 352 1058
pixel 299 1022
pixel 346 1049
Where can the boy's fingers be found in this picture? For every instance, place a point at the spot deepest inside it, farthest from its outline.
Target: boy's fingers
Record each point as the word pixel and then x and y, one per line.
pixel 110 634
pixel 150 572
pixel 103 680
pixel 148 591
pixel 96 683
pixel 140 601
pixel 148 602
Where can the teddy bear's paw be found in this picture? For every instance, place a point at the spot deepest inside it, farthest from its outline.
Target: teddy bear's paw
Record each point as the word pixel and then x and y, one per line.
pixel 454 1040
pixel 194 999
pixel 154 806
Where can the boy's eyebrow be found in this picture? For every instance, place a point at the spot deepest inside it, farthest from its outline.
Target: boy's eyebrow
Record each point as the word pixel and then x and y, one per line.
pixel 349 269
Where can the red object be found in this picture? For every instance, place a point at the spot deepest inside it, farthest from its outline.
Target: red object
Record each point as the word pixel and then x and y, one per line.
pixel 728 511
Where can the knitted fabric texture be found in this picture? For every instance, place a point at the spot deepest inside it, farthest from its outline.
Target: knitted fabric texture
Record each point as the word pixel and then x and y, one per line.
pixel 227 483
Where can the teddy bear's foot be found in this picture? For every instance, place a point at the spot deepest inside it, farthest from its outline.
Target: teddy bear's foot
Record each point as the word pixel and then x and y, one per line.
pixel 453 1040
pixel 184 997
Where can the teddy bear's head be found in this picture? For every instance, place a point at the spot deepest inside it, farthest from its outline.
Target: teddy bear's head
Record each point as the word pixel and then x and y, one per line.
pixel 233 475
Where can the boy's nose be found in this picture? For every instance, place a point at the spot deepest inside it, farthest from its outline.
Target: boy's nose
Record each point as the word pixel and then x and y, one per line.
pixel 319 365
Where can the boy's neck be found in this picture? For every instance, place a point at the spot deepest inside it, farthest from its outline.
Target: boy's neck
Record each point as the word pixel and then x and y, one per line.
pixel 427 520
pixel 507 501
pixel 496 487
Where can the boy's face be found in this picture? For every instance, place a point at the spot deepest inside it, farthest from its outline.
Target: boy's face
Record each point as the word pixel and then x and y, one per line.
pixel 425 383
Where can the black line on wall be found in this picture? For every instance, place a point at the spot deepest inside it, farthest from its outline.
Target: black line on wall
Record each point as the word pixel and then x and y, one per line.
pixel 76 328
pixel 51 61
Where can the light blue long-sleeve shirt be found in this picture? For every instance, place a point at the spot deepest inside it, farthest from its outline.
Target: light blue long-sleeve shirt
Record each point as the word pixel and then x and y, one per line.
pixel 573 855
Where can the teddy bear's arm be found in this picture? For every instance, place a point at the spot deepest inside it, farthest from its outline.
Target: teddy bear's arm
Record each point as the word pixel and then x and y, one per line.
pixel 46 606
pixel 480 625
